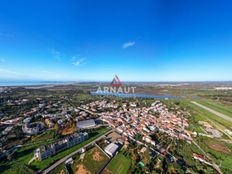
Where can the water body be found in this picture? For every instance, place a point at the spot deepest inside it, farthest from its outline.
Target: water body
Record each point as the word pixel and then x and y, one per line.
pixel 30 83
pixel 136 95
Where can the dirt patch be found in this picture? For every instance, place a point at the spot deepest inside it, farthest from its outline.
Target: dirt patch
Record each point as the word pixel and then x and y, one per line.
pixel 97 156
pixel 62 171
pixel 82 156
pixel 219 147
pixel 69 128
pixel 106 171
pixel 81 169
pixel 172 170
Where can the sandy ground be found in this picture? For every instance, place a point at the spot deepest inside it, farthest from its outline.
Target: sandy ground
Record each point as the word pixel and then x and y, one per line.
pixel 82 156
pixel 106 171
pixel 69 129
pixel 80 169
pixel 62 172
pixel 97 156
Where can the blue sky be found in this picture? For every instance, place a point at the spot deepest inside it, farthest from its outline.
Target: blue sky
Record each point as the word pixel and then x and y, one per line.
pixel 140 40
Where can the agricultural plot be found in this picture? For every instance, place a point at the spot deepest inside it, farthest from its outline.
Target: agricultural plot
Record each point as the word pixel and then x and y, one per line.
pixel 89 162
pixel 120 164
pixel 219 151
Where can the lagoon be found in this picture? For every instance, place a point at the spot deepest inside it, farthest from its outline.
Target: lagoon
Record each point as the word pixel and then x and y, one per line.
pixel 129 95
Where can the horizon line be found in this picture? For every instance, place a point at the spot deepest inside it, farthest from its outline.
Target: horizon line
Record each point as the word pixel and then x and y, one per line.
pixel 109 81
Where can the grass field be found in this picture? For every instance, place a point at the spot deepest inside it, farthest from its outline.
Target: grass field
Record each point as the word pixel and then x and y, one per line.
pixel 16 169
pixel 201 114
pixel 120 164
pixel 217 107
pixel 59 169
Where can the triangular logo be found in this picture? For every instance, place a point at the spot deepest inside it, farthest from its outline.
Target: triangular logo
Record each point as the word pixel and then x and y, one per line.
pixel 116 81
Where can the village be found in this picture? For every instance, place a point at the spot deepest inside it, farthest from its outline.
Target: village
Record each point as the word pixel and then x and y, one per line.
pixel 147 125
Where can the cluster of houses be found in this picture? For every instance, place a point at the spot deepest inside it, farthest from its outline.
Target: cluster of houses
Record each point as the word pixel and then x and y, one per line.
pixel 46 151
pixel 33 117
pixel 210 129
pixel 103 104
pixel 133 120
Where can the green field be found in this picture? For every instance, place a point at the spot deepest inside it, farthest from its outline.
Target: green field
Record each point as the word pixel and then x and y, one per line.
pixel 59 169
pixel 217 107
pixel 120 164
pixel 200 114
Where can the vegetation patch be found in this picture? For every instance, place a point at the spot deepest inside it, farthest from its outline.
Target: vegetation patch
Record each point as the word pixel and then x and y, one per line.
pixel 120 164
pixel 92 161
pixel 217 107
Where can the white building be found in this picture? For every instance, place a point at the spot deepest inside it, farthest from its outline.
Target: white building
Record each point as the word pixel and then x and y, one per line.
pixel 46 151
pixel 111 149
pixel 86 124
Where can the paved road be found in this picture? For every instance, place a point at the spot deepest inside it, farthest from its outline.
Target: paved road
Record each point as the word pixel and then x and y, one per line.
pixel 53 166
pixel 214 112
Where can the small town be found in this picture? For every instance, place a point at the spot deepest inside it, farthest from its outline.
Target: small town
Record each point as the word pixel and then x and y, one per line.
pixel 115 87
pixel 59 130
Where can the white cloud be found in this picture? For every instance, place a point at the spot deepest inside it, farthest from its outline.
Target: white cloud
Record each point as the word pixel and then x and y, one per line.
pixel 76 61
pixel 128 44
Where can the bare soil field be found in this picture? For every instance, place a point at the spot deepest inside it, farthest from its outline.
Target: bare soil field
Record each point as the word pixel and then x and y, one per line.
pixel 81 169
pixel 62 171
pixel 69 129
pixel 219 147
pixel 97 156
pixel 106 171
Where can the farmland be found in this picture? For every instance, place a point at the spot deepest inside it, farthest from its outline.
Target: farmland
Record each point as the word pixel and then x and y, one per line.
pixel 120 164
pixel 89 162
